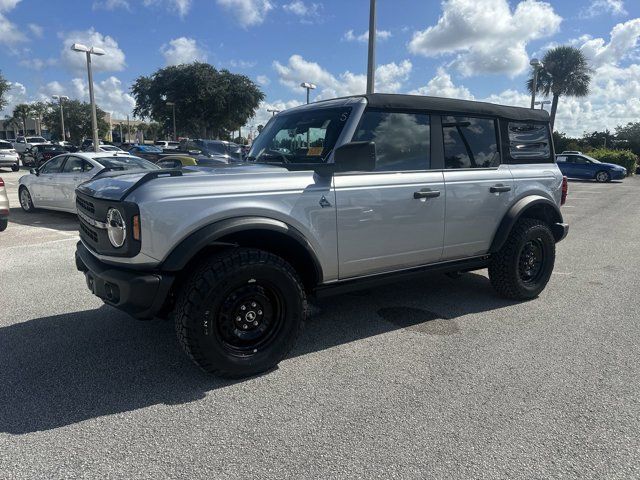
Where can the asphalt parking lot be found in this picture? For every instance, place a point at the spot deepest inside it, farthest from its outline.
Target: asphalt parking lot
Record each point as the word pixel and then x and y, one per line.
pixel 432 379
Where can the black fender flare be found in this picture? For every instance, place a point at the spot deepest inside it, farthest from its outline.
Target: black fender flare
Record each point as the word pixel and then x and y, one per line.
pixel 518 209
pixel 211 234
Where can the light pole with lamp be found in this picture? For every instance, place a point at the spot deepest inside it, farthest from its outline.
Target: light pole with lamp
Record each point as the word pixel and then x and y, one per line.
pixel 78 47
pixel 309 87
pixel 537 66
pixel 371 60
pixel 273 111
pixel 543 103
pixel 61 99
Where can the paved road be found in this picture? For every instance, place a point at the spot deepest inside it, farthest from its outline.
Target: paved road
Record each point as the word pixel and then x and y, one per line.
pixel 432 379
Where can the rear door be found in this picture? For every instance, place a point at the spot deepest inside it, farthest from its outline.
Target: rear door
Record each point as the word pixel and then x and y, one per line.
pixel 74 172
pixel 392 218
pixel 479 187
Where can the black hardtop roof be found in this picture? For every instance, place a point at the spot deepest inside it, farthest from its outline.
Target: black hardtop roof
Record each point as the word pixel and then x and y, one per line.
pixel 445 105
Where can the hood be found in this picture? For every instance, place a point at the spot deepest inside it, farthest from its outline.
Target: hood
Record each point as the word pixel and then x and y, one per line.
pixel 611 165
pixel 116 185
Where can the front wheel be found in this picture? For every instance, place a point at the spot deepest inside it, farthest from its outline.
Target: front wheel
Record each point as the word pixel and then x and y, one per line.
pixel 25 200
pixel 240 313
pixel 603 177
pixel 15 167
pixel 522 268
pixel 3 224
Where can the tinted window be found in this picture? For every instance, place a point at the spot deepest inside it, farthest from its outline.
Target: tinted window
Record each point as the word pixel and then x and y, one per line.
pixel 35 140
pixel 470 142
pixel 72 165
pixel 402 139
pixel 581 160
pixel 126 163
pixel 529 140
pixel 5 146
pixel 53 165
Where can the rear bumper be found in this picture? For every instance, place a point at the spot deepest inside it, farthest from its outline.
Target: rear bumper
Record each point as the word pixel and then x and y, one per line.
pixel 8 162
pixel 560 231
pixel 140 294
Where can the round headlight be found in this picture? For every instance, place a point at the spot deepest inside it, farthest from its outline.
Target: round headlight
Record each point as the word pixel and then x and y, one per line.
pixel 116 228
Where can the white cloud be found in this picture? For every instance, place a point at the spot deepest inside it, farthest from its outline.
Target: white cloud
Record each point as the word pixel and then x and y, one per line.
pixel 442 86
pixel 243 64
pixel 10 34
pixel 487 36
pixel 110 95
pixel 182 50
pixel 247 13
pixel 381 35
pixel 52 88
pixel 36 30
pixel 262 116
pixel 16 94
pixel 390 77
pixel 263 80
pixel 38 63
pixel 599 7
pixel 114 60
pixel 182 7
pixel 302 9
pixel 624 39
pixel 110 4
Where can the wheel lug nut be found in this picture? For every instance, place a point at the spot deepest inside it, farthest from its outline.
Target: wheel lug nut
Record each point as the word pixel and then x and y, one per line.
pixel 243 307
pixel 245 326
pixel 255 324
pixel 238 319
pixel 253 304
pixel 259 312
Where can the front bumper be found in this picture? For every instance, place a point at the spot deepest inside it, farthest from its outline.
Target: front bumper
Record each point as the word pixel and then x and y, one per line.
pixel 560 231
pixel 8 162
pixel 140 294
pixel 618 174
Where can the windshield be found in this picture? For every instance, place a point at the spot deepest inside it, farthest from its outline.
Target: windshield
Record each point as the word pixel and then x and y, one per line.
pixel 36 140
pixel 591 159
pixel 300 137
pixel 5 146
pixel 126 163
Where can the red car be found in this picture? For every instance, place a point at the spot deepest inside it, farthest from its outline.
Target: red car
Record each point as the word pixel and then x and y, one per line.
pixel 38 154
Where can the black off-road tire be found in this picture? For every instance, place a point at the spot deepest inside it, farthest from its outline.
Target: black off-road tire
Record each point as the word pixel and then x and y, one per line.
pixel 25 200
pixel 3 224
pixel 505 269
pixel 204 325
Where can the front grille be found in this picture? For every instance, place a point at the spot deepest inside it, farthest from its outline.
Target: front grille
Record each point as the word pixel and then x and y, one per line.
pixel 85 205
pixel 93 235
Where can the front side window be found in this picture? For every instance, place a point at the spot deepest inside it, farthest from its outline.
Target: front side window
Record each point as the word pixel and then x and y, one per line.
pixel 53 165
pixel 306 136
pixel 128 162
pixel 470 142
pixel 529 140
pixel 402 139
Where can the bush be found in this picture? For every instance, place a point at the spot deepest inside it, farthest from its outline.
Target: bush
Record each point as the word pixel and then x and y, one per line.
pixel 624 158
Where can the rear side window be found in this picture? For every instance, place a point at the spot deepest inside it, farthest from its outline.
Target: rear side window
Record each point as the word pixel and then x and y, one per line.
pixel 402 139
pixel 72 165
pixel 529 141
pixel 470 142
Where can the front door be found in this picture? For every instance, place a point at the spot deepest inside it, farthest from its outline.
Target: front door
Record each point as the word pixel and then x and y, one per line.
pixel 392 218
pixel 479 189
pixel 43 188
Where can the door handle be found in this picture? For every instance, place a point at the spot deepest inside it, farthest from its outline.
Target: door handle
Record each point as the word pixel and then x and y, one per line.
pixel 426 193
pixel 500 189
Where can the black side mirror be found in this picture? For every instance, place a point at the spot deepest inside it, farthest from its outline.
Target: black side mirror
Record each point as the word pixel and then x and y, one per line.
pixel 355 157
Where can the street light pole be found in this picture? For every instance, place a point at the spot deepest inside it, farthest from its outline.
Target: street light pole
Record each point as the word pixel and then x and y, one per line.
pixel 371 63
pixel 309 87
pixel 61 99
pixel 78 47
pixel 273 111
pixel 537 66
pixel 543 103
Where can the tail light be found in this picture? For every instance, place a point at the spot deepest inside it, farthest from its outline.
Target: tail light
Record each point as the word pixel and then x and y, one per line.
pixel 565 191
pixel 1 182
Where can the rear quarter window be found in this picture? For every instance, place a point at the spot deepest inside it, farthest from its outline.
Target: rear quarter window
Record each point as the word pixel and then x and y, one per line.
pixel 529 142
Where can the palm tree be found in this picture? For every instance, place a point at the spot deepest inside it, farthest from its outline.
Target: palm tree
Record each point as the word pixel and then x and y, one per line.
pixel 23 112
pixel 565 72
pixel 38 110
pixel 14 123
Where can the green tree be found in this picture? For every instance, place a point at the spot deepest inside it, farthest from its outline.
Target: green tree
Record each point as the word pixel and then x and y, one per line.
pixel 13 123
pixel 208 102
pixel 566 72
pixel 77 120
pixel 599 139
pixel 4 88
pixel 153 130
pixel 22 112
pixel 629 136
pixel 38 111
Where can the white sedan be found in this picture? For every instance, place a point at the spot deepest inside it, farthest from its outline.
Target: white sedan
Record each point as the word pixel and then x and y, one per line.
pixel 9 156
pixel 53 185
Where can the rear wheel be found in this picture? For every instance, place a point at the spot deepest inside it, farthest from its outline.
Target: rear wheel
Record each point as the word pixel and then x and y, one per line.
pixel 3 224
pixel 522 268
pixel 240 313
pixel 15 167
pixel 603 177
pixel 25 200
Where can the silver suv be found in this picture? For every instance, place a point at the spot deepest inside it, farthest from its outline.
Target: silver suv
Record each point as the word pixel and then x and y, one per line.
pixel 337 195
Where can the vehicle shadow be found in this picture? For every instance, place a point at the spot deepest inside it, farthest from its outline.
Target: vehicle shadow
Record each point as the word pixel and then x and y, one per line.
pixel 63 369
pixel 580 180
pixel 63 221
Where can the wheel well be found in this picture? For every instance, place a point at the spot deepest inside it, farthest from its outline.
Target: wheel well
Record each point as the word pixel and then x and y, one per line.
pixel 278 243
pixel 543 212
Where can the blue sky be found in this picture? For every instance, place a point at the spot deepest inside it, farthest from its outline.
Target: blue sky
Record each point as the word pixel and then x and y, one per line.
pixel 475 49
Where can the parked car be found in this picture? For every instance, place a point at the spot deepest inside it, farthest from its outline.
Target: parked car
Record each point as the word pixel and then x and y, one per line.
pixel 4 206
pixel 22 144
pixel 374 188
pixel 167 144
pixel 177 161
pixel 53 185
pixel 87 145
pixel 148 152
pixel 8 156
pixel 38 154
pixel 68 146
pixel 230 151
pixel 586 167
pixel 111 148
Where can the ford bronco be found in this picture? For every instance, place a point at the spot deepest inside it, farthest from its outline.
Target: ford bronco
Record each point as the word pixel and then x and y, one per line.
pixel 336 195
